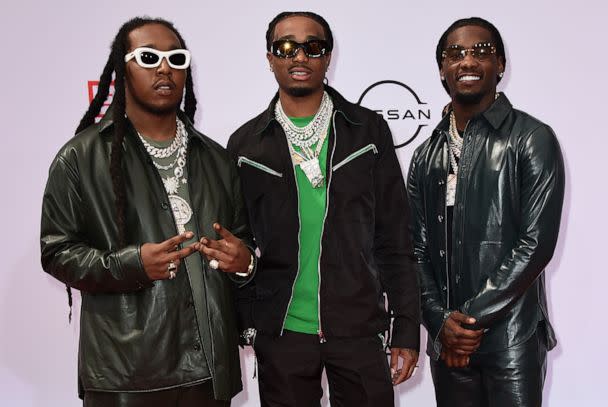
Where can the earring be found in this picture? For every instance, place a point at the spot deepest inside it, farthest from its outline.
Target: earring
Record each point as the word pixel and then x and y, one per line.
pixel 442 78
pixel 500 74
pixel 270 67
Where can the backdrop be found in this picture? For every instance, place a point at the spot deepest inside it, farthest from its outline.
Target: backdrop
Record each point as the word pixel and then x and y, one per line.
pixel 51 50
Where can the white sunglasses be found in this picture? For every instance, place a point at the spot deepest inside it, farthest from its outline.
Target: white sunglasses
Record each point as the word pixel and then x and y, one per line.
pixel 151 58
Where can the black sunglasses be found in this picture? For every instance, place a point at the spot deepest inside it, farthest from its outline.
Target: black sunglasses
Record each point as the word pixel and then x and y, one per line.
pixel 289 48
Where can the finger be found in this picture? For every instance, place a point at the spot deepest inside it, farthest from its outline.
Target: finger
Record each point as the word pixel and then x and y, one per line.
pixel 221 245
pixel 223 232
pixel 215 254
pixel 394 361
pixel 169 244
pixel 467 333
pixel 181 253
pixel 406 368
pixel 462 318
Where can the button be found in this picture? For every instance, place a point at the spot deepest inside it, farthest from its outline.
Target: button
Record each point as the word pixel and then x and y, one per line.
pixel 459 241
pixel 457 278
pixel 441 253
pixel 444 288
pixel 440 218
pixel 441 182
pixel 197 347
pixel 164 205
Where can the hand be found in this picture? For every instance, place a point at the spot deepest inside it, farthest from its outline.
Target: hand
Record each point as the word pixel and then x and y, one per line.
pixel 409 357
pixel 156 257
pixel 231 253
pixel 453 359
pixel 458 339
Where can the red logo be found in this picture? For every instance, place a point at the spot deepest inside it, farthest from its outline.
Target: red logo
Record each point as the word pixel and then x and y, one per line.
pixel 92 87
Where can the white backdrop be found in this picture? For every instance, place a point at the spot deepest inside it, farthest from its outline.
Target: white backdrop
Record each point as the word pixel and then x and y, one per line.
pixel 555 71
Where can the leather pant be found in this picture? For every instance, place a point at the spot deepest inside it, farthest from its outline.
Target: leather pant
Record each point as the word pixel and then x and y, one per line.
pixel 513 377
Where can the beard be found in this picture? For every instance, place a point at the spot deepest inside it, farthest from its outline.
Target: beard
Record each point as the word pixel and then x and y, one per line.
pixel 299 92
pixel 468 98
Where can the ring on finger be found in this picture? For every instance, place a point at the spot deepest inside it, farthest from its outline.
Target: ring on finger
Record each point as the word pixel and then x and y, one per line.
pixel 171 275
pixel 214 264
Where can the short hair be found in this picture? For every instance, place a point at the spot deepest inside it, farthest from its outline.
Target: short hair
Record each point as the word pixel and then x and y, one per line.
pixel 476 21
pixel 313 16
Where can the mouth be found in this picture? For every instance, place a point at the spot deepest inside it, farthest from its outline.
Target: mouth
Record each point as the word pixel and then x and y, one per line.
pixel 469 77
pixel 300 73
pixel 164 87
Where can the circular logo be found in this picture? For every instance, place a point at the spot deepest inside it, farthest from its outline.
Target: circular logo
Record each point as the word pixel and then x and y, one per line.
pixel 400 106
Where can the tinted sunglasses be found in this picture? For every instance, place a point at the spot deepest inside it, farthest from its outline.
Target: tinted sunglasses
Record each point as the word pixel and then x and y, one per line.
pixel 480 52
pixel 289 48
pixel 151 58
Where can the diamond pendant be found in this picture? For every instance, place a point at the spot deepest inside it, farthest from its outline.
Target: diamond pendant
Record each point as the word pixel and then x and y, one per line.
pixel 171 185
pixel 312 170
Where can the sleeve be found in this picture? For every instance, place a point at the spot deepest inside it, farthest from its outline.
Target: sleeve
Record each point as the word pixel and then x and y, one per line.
pixel 65 251
pixel 542 193
pixel 434 312
pixel 393 246
pixel 240 227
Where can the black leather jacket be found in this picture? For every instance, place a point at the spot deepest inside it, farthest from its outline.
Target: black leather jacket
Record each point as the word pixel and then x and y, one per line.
pixel 506 221
pixel 124 345
pixel 365 249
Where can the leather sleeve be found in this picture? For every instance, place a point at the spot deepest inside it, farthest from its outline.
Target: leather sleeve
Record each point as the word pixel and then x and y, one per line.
pixel 65 251
pixel 434 312
pixel 541 196
pixel 393 246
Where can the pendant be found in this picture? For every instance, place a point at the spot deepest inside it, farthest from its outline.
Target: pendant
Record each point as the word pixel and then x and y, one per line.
pixel 450 193
pixel 181 212
pixel 312 169
pixel 171 185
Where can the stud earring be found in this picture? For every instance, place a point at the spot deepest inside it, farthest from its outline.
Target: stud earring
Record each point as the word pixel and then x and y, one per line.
pixel 270 67
pixel 442 78
pixel 501 74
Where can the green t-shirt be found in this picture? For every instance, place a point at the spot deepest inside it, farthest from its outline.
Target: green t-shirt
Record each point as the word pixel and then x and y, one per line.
pixel 303 312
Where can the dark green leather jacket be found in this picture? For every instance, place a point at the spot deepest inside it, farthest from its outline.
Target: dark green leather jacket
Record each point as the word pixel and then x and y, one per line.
pixel 123 343
pixel 505 225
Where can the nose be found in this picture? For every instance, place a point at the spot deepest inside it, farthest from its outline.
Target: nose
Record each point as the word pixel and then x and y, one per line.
pixel 164 67
pixel 469 60
pixel 300 55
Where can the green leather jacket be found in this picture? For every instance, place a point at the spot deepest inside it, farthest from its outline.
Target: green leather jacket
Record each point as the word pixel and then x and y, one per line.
pixel 123 346
pixel 505 225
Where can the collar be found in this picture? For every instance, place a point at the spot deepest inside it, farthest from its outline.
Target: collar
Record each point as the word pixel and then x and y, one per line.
pixel 495 115
pixel 341 105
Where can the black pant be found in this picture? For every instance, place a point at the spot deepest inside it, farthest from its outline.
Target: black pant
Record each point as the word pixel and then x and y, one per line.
pixel 193 396
pixel 513 377
pixel 290 368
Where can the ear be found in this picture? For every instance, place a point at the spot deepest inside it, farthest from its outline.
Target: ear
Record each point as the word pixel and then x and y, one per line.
pixel 501 64
pixel 269 57
pixel 327 61
pixel 441 74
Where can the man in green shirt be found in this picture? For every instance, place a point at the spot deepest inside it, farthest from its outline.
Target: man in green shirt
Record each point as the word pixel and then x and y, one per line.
pixel 329 213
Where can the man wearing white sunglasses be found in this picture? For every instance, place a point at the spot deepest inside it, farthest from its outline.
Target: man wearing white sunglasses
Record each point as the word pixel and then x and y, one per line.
pixel 143 214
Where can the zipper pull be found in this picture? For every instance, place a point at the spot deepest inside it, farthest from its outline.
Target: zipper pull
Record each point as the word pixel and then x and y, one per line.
pixel 321 336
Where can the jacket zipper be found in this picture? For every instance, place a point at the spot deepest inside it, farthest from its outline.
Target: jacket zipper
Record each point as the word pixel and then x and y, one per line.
pixel 445 229
pixel 257 165
pixel 356 154
pixel 322 338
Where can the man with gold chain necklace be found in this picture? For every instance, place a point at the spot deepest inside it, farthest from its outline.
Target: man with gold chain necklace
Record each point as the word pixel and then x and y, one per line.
pixel 486 190
pixel 328 209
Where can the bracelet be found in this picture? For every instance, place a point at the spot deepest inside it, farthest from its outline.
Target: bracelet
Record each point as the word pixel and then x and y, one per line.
pixel 250 268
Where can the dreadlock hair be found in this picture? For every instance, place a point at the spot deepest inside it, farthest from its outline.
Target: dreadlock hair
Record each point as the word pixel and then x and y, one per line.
pixel 476 21
pixel 116 65
pixel 313 16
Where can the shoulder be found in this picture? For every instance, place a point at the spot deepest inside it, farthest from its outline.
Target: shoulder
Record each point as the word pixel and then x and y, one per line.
pixel 254 125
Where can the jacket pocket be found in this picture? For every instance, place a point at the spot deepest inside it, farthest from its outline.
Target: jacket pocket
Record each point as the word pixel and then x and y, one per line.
pixel 244 160
pixel 358 153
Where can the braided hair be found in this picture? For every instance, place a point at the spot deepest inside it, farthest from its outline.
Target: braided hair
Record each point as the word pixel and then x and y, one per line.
pixel 329 37
pixel 115 66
